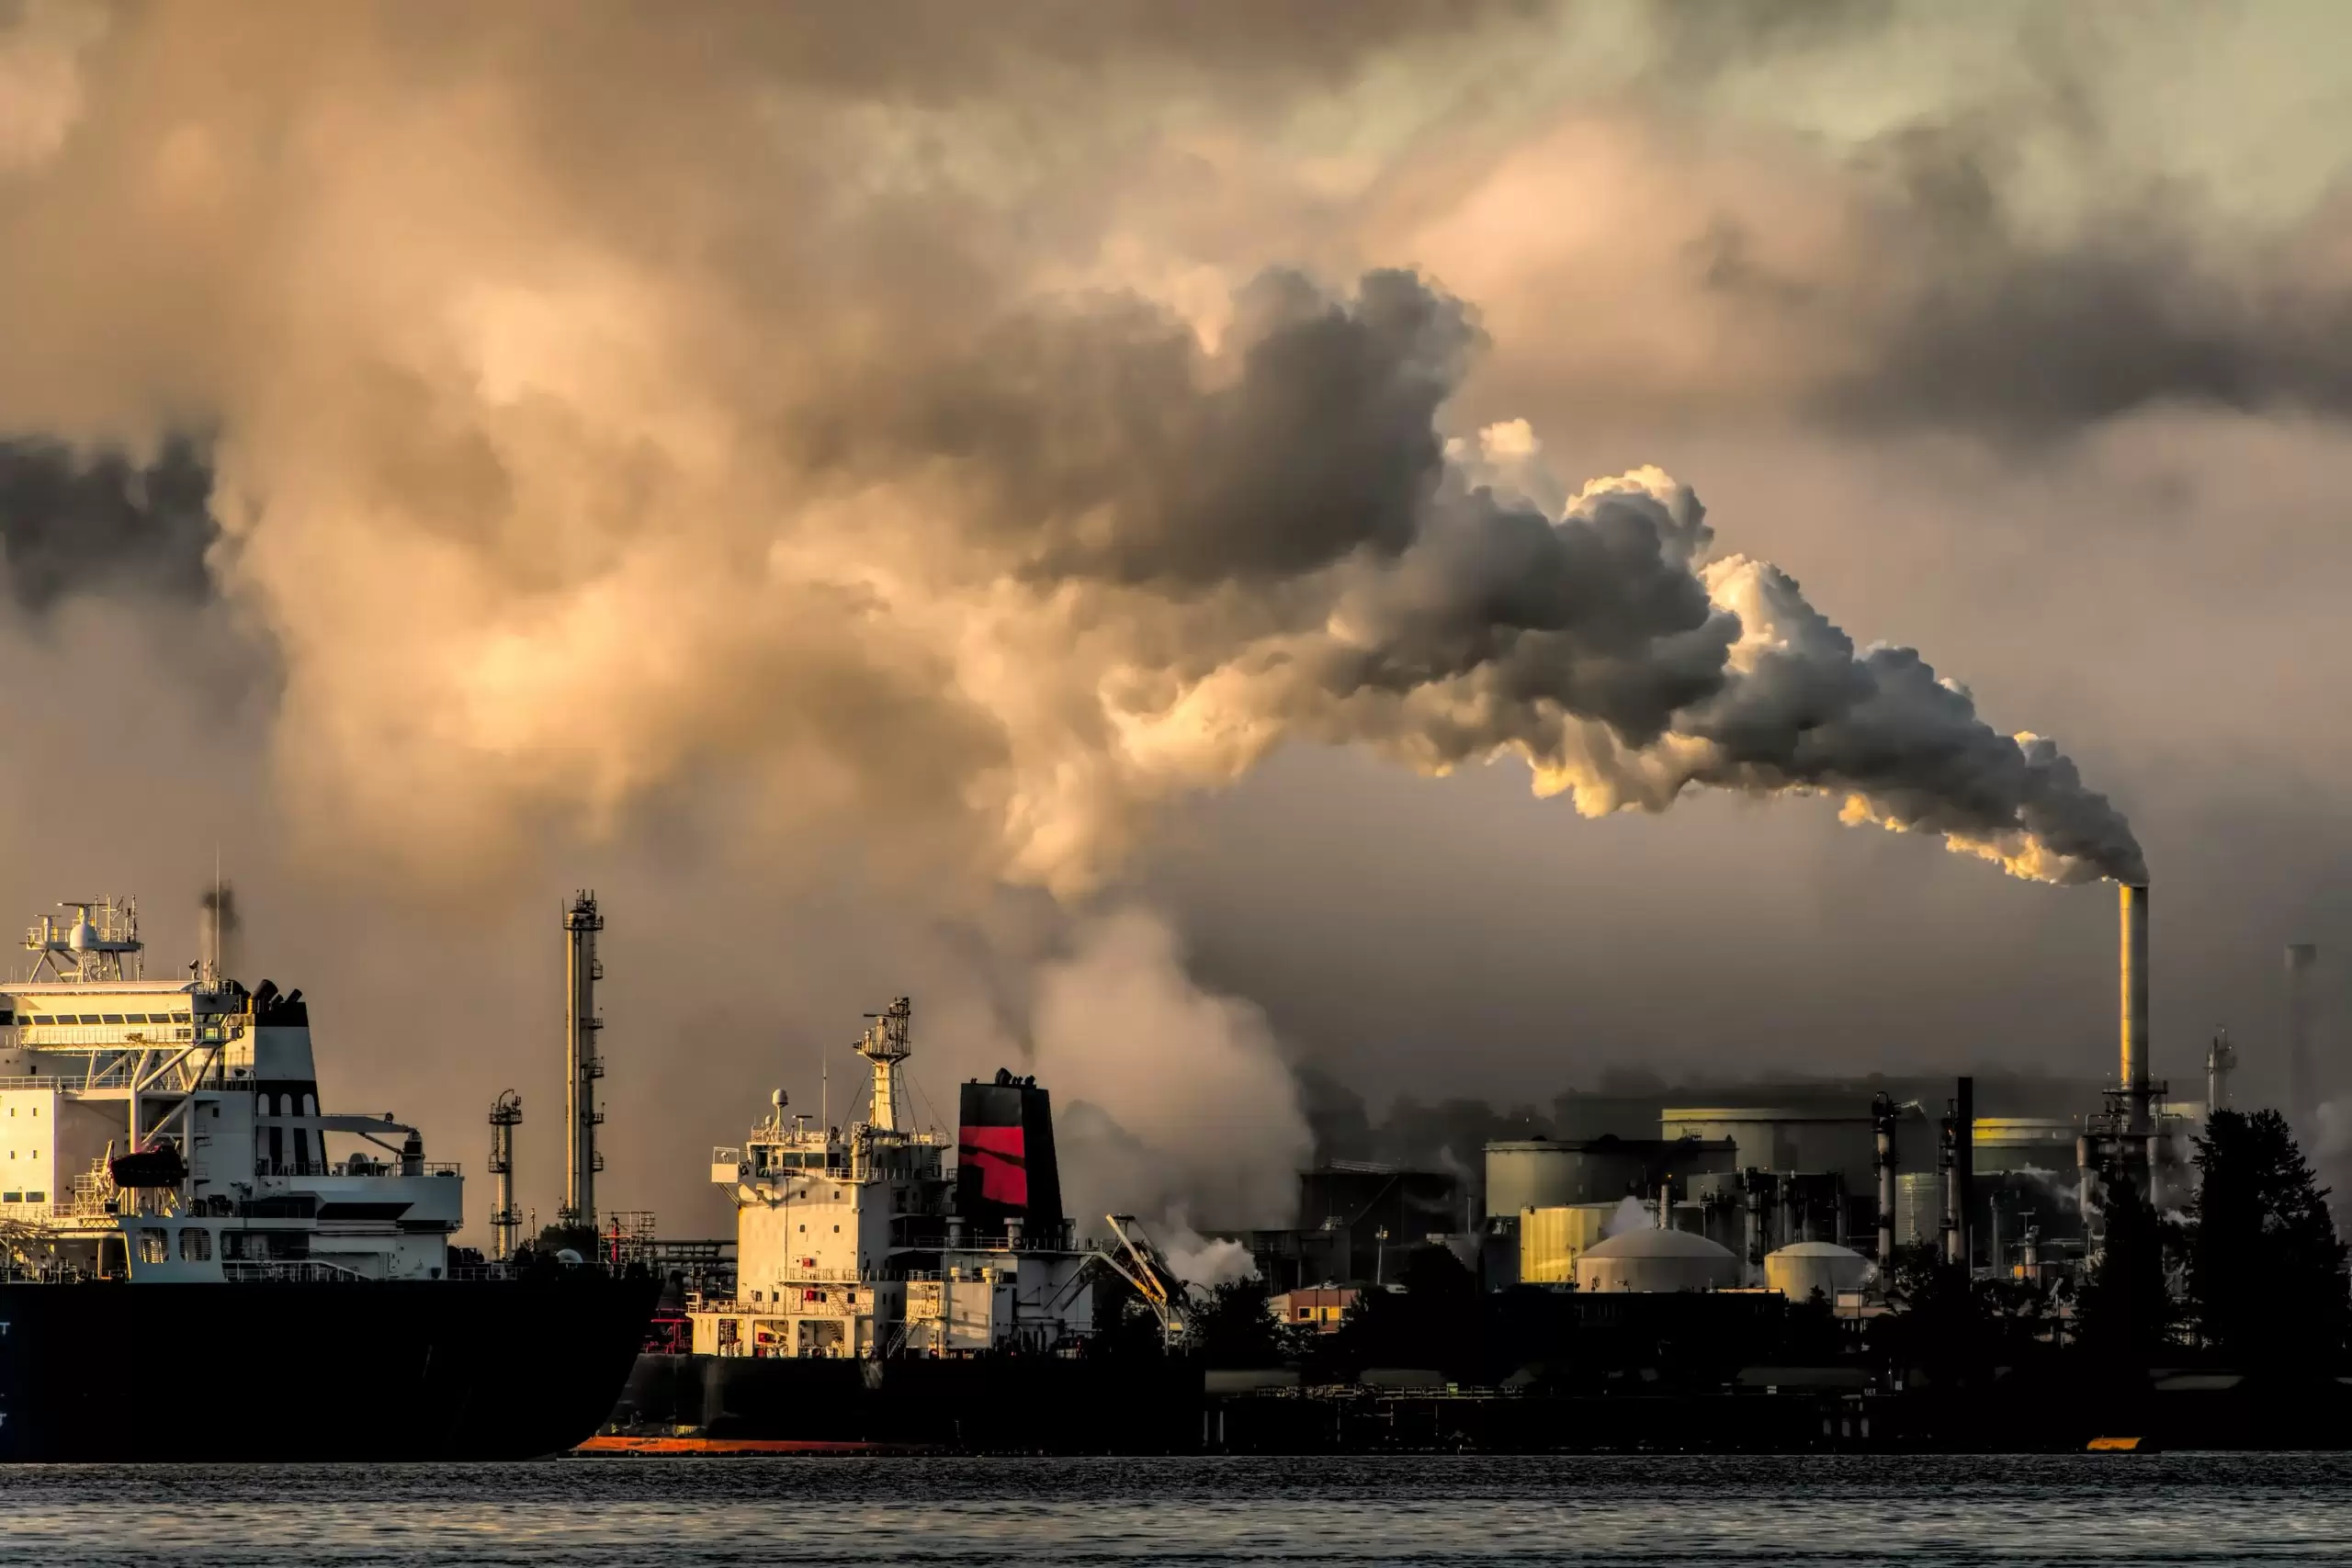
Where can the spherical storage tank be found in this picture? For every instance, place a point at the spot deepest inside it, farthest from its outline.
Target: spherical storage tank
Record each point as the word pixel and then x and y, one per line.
pixel 1656 1260
pixel 1798 1271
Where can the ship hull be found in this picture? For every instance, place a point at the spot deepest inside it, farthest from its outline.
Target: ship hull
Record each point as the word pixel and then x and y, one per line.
pixel 984 1405
pixel 387 1369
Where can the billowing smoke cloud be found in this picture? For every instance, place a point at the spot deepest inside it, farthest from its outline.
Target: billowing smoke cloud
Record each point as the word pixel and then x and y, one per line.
pixel 1171 1102
pixel 100 523
pixel 886 425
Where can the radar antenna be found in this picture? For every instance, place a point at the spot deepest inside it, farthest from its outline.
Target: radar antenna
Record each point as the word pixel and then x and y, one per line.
pixel 101 942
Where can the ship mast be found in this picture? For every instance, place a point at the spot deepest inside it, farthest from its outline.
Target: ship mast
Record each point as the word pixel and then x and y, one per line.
pixel 885 1045
pixel 583 1065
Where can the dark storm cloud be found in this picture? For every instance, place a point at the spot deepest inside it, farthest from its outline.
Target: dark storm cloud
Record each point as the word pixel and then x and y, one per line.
pixel 75 522
pixel 1102 446
pixel 2138 306
pixel 1701 37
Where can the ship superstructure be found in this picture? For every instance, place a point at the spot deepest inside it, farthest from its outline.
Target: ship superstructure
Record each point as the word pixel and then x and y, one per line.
pixel 173 1131
pixel 852 1241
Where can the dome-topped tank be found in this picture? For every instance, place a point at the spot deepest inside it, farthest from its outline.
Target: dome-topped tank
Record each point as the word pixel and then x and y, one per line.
pixel 1656 1260
pixel 1798 1271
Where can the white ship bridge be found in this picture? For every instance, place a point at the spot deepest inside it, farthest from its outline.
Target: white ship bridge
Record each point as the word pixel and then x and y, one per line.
pixel 173 1131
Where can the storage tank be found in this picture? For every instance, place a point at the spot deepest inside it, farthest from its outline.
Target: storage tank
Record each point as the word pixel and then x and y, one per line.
pixel 2025 1143
pixel 1798 1271
pixel 1786 1137
pixel 1656 1260
pixel 1551 1240
pixel 1550 1173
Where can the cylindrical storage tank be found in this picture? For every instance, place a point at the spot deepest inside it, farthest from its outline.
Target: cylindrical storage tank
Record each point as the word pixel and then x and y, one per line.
pixel 1544 1173
pixel 1798 1271
pixel 1656 1260
pixel 1785 1137
pixel 1551 1240
pixel 2025 1143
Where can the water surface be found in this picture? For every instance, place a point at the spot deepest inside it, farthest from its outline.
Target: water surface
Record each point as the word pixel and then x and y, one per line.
pixel 2169 1509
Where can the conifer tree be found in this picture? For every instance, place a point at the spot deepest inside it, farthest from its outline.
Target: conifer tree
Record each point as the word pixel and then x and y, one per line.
pixel 2266 1271
pixel 2124 1312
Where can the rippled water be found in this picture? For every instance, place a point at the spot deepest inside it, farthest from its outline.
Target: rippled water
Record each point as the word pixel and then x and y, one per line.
pixel 2123 1510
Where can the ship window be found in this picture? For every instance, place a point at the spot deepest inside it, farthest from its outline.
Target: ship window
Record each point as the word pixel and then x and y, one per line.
pixel 36 1197
pixel 7 1015
pixel 837 1230
pixel 110 1018
pixel 179 1018
pixel 134 1018
pixel 310 1105
pixel 11 1197
pixel 151 1248
pixel 196 1244
pixel 804 1230
pixel 91 1017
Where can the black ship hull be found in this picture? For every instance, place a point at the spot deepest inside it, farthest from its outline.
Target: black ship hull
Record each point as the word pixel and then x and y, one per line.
pixel 985 1404
pixel 110 1372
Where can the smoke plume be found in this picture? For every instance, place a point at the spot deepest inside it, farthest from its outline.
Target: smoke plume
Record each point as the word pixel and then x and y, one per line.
pixel 1170 1102
pixel 564 483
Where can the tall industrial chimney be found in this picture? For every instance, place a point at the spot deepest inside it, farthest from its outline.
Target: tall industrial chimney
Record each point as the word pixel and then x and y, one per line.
pixel 2303 1085
pixel 1963 1174
pixel 2133 906
pixel 1884 1120
pixel 506 1220
pixel 2221 1060
pixel 582 1067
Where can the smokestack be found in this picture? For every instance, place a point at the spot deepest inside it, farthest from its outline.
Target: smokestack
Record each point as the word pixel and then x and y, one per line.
pixel 581 1064
pixel 2132 903
pixel 2221 1060
pixel 1947 1173
pixel 2303 1090
pixel 1883 1121
pixel 1963 1173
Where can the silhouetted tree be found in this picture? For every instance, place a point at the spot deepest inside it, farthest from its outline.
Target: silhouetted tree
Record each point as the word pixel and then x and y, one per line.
pixel 1234 1328
pixel 2124 1312
pixel 2265 1269
pixel 1434 1319
pixel 1937 1324
pixel 1125 1328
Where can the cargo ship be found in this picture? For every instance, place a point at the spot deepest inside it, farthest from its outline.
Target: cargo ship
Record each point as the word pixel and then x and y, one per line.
pixel 883 1299
pixel 199 1262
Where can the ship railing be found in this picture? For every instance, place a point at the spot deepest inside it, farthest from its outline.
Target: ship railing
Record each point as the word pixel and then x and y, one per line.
pixel 371 1168
pixel 55 1082
pixel 304 1271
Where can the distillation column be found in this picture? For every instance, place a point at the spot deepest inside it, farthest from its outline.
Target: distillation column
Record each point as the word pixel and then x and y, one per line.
pixel 582 1064
pixel 506 1220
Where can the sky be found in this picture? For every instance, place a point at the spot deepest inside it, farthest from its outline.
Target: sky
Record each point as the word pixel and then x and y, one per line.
pixel 1417 542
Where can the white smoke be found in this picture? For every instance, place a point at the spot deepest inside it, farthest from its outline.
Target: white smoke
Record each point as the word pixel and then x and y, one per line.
pixel 1204 1261
pixel 1171 1102
pixel 1633 1214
